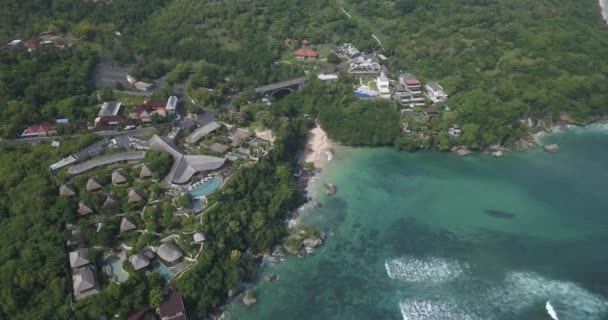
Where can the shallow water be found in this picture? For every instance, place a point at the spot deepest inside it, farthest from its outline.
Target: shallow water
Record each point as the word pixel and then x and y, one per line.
pixel 410 237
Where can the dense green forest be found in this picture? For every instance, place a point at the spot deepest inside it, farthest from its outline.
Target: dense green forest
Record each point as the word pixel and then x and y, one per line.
pixel 52 84
pixel 32 259
pixel 500 61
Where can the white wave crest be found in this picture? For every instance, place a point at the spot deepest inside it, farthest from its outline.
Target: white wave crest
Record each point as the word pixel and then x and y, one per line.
pixel 523 289
pixel 417 309
pixel 431 270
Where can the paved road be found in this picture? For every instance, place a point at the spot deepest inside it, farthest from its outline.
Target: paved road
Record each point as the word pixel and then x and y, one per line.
pixel 133 132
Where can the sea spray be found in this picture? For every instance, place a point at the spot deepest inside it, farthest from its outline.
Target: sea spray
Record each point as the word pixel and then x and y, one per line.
pixel 429 270
pixel 419 309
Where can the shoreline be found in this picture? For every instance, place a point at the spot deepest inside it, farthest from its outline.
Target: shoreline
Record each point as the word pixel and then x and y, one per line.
pixel 318 149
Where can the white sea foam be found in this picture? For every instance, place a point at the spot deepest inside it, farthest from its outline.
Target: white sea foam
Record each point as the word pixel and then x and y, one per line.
pixel 418 309
pixel 430 270
pixel 522 290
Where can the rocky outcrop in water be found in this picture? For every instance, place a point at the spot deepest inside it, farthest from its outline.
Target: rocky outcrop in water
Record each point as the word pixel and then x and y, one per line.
pixel 331 189
pixel 271 277
pixel 552 148
pixel 461 151
pixel 249 299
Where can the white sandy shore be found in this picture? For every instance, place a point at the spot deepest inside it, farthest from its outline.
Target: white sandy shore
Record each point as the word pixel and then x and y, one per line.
pixel 318 148
pixel 604 9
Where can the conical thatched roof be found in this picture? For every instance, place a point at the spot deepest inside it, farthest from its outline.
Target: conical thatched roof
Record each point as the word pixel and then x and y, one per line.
pixel 135 195
pixel 169 252
pixel 126 225
pixel 118 177
pixel 84 209
pixel 139 261
pixel 93 184
pixel 145 172
pixel 66 191
pixel 110 200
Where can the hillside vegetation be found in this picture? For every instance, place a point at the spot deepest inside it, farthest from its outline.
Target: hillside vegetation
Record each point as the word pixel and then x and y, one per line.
pixel 500 62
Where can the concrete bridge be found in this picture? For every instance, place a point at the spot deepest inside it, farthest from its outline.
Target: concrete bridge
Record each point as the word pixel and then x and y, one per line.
pixel 283 87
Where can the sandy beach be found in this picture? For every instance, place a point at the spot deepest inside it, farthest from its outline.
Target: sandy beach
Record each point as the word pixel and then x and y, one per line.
pixel 318 148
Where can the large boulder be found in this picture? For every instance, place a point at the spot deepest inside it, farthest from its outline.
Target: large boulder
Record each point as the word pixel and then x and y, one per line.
pixel 497 154
pixel 552 148
pixel 461 151
pixel 312 242
pixel 249 299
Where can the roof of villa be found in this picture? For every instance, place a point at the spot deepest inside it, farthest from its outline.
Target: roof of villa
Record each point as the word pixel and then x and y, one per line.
pixel 145 172
pixel 172 307
pixel 118 177
pixel 135 195
pixel 84 209
pixel 110 200
pixel 93 184
pixel 169 252
pixel 66 191
pixel 139 261
pixel 126 225
pixel 83 279
pixel 184 166
pixel 79 258
pixel 199 237
pixel 218 147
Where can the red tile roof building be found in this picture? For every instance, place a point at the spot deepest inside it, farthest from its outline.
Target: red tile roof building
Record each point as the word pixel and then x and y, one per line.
pixel 32 44
pixel 37 130
pixel 172 308
pixel 306 54
pixel 145 111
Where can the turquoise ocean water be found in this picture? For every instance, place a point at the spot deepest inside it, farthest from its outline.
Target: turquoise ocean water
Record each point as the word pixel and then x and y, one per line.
pixel 431 236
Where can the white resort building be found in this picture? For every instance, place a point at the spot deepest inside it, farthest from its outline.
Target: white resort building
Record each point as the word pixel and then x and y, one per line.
pixel 435 92
pixel 362 65
pixel 383 84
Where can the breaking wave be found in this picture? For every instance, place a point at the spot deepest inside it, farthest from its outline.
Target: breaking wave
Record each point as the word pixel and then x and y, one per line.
pixel 474 298
pixel 431 270
pixel 522 290
pixel 418 309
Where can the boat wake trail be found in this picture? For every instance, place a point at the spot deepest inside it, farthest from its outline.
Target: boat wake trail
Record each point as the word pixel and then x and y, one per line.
pixel 429 270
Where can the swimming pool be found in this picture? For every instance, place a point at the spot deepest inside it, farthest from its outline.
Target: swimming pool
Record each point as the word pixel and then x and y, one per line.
pixel 207 187
pixel 113 267
pixel 163 270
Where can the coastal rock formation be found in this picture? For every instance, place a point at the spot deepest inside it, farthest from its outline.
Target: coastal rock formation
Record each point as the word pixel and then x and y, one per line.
pixel 312 243
pixel 317 204
pixel 271 277
pixel 523 144
pixel 461 151
pixel 552 148
pixel 249 299
pixel 293 246
pixel 497 154
pixel 330 189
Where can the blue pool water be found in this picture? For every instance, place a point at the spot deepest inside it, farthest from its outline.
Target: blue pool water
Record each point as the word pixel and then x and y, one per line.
pixel 207 188
pixel 362 95
pixel 115 268
pixel 163 270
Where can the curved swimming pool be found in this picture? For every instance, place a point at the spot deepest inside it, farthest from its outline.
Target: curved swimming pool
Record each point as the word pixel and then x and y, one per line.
pixel 206 188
